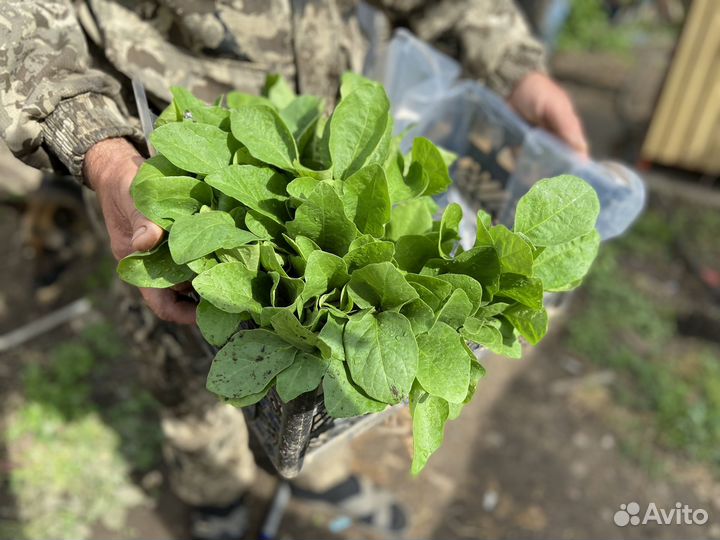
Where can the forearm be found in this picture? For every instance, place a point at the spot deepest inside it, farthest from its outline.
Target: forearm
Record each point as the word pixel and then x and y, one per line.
pixel 52 102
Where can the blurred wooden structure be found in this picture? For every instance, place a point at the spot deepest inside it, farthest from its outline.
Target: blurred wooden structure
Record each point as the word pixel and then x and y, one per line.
pixel 685 128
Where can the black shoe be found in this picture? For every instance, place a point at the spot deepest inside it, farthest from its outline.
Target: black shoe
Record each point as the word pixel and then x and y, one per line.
pixel 358 499
pixel 212 523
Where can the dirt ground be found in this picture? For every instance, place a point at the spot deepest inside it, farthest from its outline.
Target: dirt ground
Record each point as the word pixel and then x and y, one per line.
pixel 542 451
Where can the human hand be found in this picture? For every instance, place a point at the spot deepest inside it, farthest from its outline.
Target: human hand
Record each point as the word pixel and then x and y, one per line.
pixel 542 102
pixel 110 167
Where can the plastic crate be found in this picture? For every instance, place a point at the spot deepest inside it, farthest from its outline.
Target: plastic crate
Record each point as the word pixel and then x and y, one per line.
pixel 291 432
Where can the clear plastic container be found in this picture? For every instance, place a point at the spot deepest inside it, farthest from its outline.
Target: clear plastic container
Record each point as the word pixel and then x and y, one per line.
pixel 620 190
pixel 500 156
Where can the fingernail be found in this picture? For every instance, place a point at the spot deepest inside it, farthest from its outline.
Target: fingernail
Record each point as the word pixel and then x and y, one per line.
pixel 138 233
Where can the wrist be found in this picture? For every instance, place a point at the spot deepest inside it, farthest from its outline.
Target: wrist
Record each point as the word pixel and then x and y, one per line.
pixel 108 160
pixel 531 78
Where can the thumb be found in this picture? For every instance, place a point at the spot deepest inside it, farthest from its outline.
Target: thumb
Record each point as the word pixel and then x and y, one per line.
pixel 145 234
pixel 564 122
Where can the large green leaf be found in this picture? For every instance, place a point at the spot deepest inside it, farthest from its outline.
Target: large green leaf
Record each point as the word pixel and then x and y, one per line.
pixel 429 415
pixel 562 266
pixel 427 154
pixel 259 188
pixel 215 324
pixel 444 366
pixel 527 291
pixel 322 219
pixel 457 308
pixel 357 128
pixel 188 106
pixel 531 323
pixel 323 272
pixel 163 199
pixel 233 288
pixel 301 115
pixel 288 327
pixel 370 253
pixel 304 375
pixel 342 398
pixel 198 148
pixel 557 210
pixel 449 229
pixel 194 236
pixel 380 285
pixel 156 167
pixel 382 355
pixel 249 361
pixel 432 290
pixel 366 200
pixel 480 263
pixel 514 253
pixel 265 135
pixel 411 217
pixel 414 250
pixel 154 269
pixel 472 288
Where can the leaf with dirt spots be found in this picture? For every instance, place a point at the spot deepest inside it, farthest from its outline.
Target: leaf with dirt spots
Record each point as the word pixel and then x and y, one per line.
pixel 342 398
pixel 249 361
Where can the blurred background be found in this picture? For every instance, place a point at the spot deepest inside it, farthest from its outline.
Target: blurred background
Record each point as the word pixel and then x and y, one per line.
pixel 621 403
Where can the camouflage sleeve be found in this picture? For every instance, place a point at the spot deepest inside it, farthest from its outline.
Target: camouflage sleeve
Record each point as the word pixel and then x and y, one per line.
pixel 52 103
pixel 490 37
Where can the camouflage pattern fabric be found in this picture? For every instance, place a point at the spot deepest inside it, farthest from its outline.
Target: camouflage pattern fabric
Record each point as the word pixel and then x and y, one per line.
pixel 205 442
pixel 68 64
pixel 65 87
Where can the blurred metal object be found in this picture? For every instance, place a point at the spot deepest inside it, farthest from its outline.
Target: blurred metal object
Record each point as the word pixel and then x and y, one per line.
pixel 277 510
pixel 147 118
pixel 685 129
pixel 44 324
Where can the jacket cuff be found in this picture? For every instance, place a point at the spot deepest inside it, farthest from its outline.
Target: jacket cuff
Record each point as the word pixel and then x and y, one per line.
pixel 79 122
pixel 514 66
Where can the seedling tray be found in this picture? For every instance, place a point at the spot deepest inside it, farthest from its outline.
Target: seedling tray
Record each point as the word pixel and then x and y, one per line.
pixel 292 432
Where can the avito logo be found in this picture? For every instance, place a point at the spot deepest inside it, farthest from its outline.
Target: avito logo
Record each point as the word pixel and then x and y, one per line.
pixel 681 514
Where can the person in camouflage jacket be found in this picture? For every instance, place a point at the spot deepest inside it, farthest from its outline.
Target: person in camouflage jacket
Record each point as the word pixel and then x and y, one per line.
pixel 67 107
